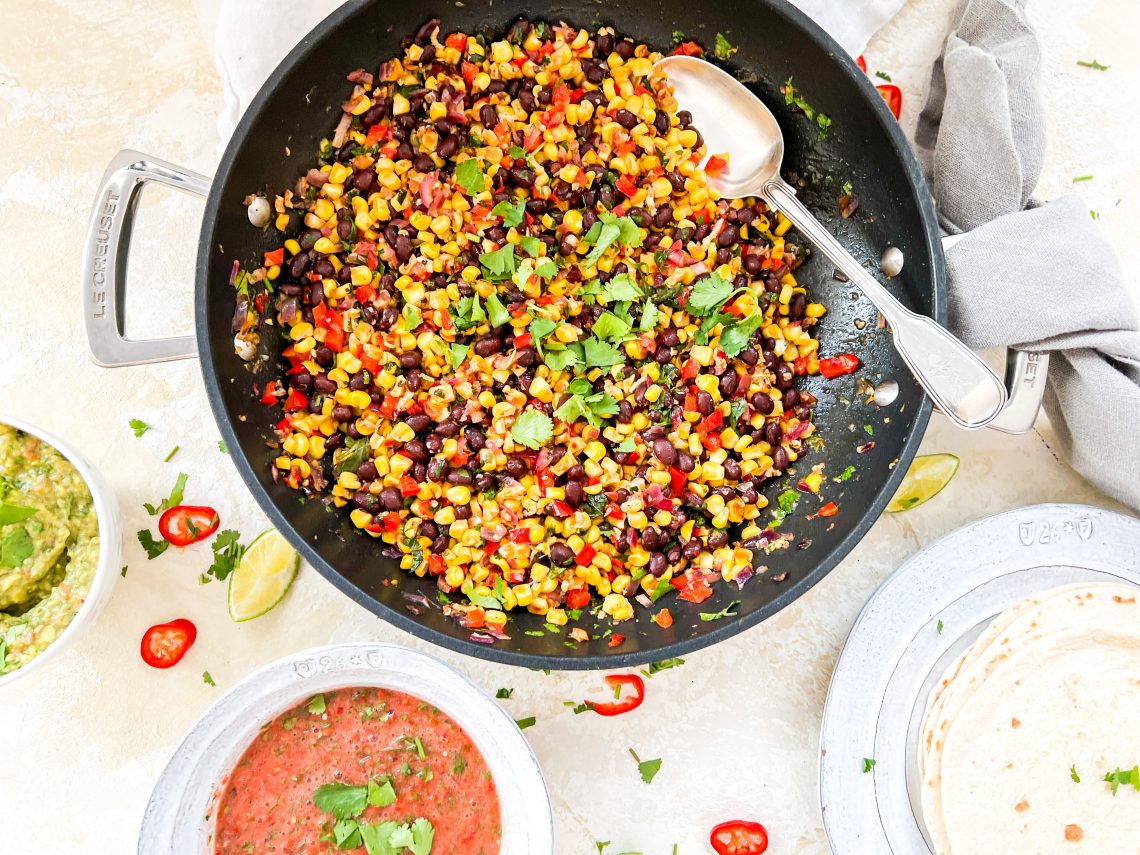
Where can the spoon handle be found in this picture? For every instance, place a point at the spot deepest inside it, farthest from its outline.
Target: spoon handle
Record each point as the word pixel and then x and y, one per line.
pixel 961 384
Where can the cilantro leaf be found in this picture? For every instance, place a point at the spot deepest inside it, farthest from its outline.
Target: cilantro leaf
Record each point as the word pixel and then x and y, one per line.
pixel 1124 776
pixel 411 317
pixel 496 311
pixel 530 245
pixel 469 174
pixel 227 553
pixel 735 337
pixel 610 326
pixel 138 426
pixel 845 474
pixel 346 833
pixel 468 313
pixel 736 410
pixel 16 547
pixel 1073 773
pixel 154 548
pixel 727 611
pixel 381 794
pixel 317 704
pixel 542 327
pixel 558 360
pixel 422 836
pixel 786 502
pixel 350 456
pixel 598 353
pixel 707 294
pixel 647 768
pixel 702 336
pixel 341 800
pixel 721 48
pixel 649 316
pixel 504 693
pixel 175 497
pixel 606 231
pixel 621 288
pixel 14 513
pixel 512 214
pixel 457 353
pixel 524 723
pixel 868 765
pixel 625 446
pixel 532 428
pixel 500 263
pixel 546 269
pixel 376 837
pixel 207 679
pixel 665 664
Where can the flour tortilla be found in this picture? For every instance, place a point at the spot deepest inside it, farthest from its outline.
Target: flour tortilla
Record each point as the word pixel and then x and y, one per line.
pixel 1037 643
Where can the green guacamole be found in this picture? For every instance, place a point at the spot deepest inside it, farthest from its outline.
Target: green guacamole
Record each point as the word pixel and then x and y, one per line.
pixel 49 546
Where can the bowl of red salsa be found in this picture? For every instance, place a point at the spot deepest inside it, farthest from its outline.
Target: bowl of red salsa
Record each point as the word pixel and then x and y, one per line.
pixel 358 748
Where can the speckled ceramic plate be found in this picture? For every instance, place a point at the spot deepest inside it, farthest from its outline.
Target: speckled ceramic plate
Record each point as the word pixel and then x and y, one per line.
pixel 914 625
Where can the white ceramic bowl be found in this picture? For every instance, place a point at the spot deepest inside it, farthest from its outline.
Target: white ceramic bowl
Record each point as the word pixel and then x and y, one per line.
pixel 179 817
pixel 110 549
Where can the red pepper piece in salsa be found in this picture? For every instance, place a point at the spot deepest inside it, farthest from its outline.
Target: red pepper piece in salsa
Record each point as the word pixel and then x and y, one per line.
pixel 186 524
pixel 837 366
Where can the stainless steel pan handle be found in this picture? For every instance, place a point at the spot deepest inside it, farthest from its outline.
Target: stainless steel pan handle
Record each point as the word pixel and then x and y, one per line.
pixel 1025 374
pixel 105 260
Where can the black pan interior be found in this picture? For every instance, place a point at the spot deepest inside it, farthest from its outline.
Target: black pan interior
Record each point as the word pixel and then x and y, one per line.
pixel 299 106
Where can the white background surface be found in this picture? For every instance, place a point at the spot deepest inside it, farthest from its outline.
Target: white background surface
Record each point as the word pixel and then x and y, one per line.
pixel 736 726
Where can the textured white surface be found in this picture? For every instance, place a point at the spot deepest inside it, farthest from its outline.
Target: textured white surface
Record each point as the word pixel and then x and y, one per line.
pixel 736 726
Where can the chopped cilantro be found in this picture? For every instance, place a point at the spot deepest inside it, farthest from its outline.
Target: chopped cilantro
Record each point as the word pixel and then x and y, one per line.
pixel 227 553
pixel 625 446
pixel 1093 64
pixel 512 213
pixel 411 317
pixel 341 800
pixel 207 679
pixel 1123 776
pixel 610 327
pixel 222 447
pixel 727 611
pixel 649 316
pixel 735 337
pixel 599 353
pixel 524 723
pixel 469 174
pixel 154 548
pixel 647 768
pixel 786 502
pixel 138 426
pixel 621 288
pixel 606 231
pixel 708 294
pixel 530 245
pixel 173 452
pixel 504 693
pixel 457 353
pixel 468 312
pixel 381 793
pixel 883 75
pixel 664 665
pixel 868 765
pixel 721 48
pixel 1080 178
pixel 845 474
pixel 175 497
pixel 532 428
pixel 317 704
pixel 499 264
pixel 496 311
pixel 940 627
pixel 1073 773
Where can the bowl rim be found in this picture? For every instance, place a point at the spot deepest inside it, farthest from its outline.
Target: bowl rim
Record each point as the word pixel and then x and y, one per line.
pixel 110 546
pixel 257 699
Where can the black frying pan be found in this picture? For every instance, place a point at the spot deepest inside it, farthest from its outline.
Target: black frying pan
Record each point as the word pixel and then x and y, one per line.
pixel 299 105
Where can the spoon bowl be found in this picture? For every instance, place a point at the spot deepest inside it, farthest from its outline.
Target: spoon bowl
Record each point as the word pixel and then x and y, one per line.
pixel 737 124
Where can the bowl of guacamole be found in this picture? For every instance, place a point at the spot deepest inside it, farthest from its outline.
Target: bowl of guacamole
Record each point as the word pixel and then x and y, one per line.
pixel 59 546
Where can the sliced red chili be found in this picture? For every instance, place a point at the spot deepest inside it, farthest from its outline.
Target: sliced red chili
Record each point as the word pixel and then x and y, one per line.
pixel 186 524
pixel 861 62
pixel 893 96
pixel 622 702
pixel 838 365
pixel 164 644
pixel 739 837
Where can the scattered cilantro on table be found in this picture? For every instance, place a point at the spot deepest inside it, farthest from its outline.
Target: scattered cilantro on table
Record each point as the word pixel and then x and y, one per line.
pixel 647 768
pixel 138 426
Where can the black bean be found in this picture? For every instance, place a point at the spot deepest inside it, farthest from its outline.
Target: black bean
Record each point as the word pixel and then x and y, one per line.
pixel 536 208
pixel 437 469
pixel 463 512
pixel 334 442
pixel 797 306
pixel 624 49
pixel 324 385
pixel 429 530
pixel 413 379
pixel 603 45
pixel 626 119
pixel 526 99
pixel 791 397
pixel 475 438
pixel 403 247
pixel 341 413
pixel 773 433
pixel 460 477
pixel 625 412
pixel 664 451
pixel 302 381
pixel 784 376
pixel 448 429
pixel 366 501
pixel 441 543
pixel 487 345
pixel 574 493
pixel 366 471
pixel 728 383
pixel 418 422
pixel 516 467
pixel 561 554
pixel 484 481
pixel 780 459
pixel 731 469
pixel 411 359
pixel 416 450
pixel 727 236
pixel 521 176
pixel 447 146
pixel 691 549
pixel 391 499
pixel 717 539
pixel 749 356
pixel 705 403
pixel 752 263
pixel 661 123
pixel 434 444
pixel 423 34
pixel 488 116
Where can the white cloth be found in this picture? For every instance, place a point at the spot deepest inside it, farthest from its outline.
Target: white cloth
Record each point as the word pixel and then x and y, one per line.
pixel 851 22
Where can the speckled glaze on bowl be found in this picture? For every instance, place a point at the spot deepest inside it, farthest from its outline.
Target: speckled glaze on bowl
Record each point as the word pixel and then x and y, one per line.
pixel 179 819
pixel 110 549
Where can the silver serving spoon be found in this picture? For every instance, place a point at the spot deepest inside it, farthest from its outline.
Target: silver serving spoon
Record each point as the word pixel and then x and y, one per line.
pixel 731 119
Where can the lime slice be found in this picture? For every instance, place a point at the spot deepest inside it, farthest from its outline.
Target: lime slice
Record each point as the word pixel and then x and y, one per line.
pixel 263 576
pixel 924 480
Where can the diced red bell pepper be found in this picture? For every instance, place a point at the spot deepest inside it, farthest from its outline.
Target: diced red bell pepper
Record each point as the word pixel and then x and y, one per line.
pixel 469 71
pixel 715 166
pixel 267 396
pixel 388 407
pixel 323 316
pixel 296 401
pixel 391 521
pixel 838 365
pixel 711 422
pixel 578 598
pixel 491 547
pixel 688 49
pixel 275 257
pixel 626 185
pixel 711 441
pixel 828 510
pixel 893 96
pixel 619 683
pixel 677 480
pixel 334 339
pixel 457 41
pixel 532 139
pixel 663 619
pixel 691 588
pixel 436 565
pixel 585 555
pixel 614 512
pixel 376 133
pixel 560 509
pixel 523 341
pixel 689 369
pixel 474 618
pixel 519 535
pixel 615 640
pixel 364 293
pixel 409 486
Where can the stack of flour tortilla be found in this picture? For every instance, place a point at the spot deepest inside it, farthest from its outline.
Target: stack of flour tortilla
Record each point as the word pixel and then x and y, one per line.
pixel 1049 693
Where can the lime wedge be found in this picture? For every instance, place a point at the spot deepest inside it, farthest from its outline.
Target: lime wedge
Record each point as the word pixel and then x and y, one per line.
pixel 263 576
pixel 924 480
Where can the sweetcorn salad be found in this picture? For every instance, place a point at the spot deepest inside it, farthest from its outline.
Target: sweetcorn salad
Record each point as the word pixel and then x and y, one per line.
pixel 524 344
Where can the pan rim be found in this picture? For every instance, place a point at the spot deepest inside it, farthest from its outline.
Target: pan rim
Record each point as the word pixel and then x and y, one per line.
pixel 585 662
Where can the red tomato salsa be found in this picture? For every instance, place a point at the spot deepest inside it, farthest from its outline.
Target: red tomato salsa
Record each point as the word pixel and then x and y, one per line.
pixel 361 742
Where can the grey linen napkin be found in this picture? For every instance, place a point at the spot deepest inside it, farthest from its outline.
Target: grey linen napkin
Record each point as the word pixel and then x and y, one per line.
pixel 1032 277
